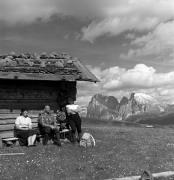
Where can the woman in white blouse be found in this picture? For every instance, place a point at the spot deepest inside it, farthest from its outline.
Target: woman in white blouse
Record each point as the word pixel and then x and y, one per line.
pixel 74 119
pixel 23 129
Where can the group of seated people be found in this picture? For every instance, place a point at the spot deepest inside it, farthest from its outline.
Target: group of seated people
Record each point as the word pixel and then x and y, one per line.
pixel 49 125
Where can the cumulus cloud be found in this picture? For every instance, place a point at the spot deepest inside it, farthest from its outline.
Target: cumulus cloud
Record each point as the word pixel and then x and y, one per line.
pixel 115 26
pixel 159 42
pixel 153 18
pixel 119 81
pixel 27 11
pixel 105 17
pixel 141 76
pixel 128 15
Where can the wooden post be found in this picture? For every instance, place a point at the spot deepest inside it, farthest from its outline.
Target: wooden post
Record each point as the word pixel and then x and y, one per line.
pixel 12 154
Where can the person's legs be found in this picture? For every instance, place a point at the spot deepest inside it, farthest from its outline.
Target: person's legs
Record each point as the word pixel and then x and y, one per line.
pixel 78 123
pixel 23 136
pixel 46 131
pixel 31 137
pixel 73 129
pixel 31 140
pixel 56 136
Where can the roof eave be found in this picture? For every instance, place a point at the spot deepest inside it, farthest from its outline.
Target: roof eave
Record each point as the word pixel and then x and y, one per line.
pixel 43 77
pixel 89 80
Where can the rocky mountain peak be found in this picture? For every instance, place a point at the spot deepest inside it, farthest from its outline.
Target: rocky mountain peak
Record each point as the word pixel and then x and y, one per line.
pixel 124 100
pixel 108 107
pixel 102 107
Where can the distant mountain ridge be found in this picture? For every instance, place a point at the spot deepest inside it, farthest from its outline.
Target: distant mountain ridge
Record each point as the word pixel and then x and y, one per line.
pixel 109 108
pixel 102 107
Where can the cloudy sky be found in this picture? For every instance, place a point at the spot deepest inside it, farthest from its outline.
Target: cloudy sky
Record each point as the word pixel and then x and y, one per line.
pixel 127 44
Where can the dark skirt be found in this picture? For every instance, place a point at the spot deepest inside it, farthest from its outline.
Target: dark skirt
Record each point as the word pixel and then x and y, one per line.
pixel 23 135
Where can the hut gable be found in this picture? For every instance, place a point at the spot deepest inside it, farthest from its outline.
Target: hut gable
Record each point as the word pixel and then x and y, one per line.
pixel 52 67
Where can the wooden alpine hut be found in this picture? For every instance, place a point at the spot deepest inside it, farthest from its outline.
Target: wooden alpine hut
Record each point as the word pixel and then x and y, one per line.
pixel 32 81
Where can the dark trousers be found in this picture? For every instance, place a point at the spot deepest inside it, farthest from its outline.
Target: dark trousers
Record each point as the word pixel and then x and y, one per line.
pixel 23 135
pixel 75 122
pixel 49 133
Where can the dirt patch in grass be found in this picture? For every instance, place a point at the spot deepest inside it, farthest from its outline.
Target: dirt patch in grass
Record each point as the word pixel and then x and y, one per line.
pixel 120 151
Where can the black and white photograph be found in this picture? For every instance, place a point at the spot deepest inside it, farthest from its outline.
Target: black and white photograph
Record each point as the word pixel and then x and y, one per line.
pixel 86 89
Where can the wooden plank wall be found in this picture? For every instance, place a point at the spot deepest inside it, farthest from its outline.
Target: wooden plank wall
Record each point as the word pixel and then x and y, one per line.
pixel 33 96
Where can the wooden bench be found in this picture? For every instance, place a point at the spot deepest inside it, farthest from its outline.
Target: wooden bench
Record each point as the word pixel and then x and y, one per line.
pixel 9 141
pixel 7 122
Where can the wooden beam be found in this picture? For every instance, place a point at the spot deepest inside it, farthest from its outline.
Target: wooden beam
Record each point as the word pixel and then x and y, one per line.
pixel 156 175
pixel 86 75
pixel 11 154
pixel 6 134
pixel 10 139
pixel 37 76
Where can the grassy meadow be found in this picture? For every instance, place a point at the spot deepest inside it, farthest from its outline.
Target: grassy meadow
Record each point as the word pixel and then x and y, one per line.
pixel 121 150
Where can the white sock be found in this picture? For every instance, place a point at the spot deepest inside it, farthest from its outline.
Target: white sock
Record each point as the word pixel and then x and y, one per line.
pixel 33 138
pixel 29 141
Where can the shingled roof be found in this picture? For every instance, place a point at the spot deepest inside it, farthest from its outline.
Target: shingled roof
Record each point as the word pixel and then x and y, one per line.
pixel 52 67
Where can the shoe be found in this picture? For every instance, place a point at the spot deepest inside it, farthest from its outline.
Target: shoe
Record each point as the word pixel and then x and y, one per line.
pixel 73 139
pixel 78 140
pixel 57 143
pixel 31 145
pixel 45 141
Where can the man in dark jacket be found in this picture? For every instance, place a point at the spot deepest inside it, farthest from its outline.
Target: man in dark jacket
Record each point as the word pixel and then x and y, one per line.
pixel 48 127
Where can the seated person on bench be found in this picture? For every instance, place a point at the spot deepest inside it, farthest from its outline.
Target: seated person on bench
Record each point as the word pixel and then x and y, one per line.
pixel 61 118
pixel 23 129
pixel 64 125
pixel 48 127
